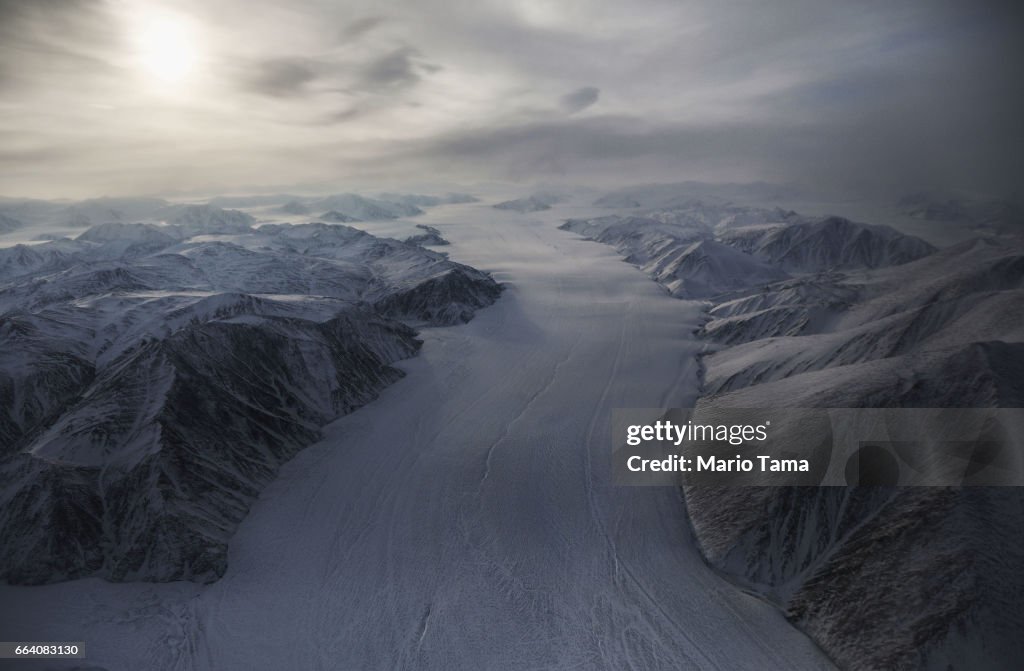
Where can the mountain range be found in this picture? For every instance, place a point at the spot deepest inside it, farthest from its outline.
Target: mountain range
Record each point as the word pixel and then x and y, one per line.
pixel 153 378
pixel 825 312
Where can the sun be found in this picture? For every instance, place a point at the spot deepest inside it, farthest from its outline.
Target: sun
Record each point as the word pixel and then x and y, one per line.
pixel 165 44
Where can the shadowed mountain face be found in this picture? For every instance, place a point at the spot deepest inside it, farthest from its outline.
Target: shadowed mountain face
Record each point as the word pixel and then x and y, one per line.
pixel 862 317
pixel 151 385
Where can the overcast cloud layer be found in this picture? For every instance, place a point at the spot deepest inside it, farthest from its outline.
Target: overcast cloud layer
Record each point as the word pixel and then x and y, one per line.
pixel 122 97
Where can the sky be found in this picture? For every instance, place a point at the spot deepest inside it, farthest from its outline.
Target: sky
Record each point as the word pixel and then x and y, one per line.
pixel 128 97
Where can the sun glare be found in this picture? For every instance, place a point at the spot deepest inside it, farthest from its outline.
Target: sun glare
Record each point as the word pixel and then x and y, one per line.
pixel 165 45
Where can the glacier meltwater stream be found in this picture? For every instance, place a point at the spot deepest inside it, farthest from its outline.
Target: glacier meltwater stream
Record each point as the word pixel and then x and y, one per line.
pixel 466 519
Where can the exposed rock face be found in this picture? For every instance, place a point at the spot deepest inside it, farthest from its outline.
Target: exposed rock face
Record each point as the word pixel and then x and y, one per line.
pixel 151 386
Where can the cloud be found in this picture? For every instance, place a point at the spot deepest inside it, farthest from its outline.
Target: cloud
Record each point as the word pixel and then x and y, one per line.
pixel 395 69
pixel 921 92
pixel 580 99
pixel 59 38
pixel 360 27
pixel 281 77
pixel 858 155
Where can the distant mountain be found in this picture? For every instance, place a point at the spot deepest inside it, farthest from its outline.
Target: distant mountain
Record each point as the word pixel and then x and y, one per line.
pixel 429 236
pixel 524 205
pixel 336 217
pixel 699 250
pixel 826 244
pixel 680 258
pixel 683 193
pixel 152 383
pixel 203 219
pixel 130 240
pixel 98 211
pixel 365 209
pixel 294 207
pixel 107 210
pixel 993 215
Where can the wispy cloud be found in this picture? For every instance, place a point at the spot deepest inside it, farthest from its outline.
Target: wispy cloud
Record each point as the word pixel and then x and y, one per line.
pixel 395 69
pixel 360 27
pixel 281 77
pixel 580 99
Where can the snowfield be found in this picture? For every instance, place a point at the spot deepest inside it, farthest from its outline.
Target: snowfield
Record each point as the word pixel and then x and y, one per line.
pixel 466 518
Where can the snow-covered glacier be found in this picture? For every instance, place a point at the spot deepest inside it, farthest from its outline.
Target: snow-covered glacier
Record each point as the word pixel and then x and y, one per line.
pixel 153 378
pixel 855 316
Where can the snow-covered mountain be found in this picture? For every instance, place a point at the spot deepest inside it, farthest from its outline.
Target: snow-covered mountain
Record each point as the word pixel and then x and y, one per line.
pixel 193 220
pixel 827 244
pixel 294 206
pixel 904 324
pixel 524 205
pixel 350 207
pixel 365 209
pixel 429 236
pixel 700 250
pixel 151 383
pixel 106 210
pixel 684 258
pixel 864 317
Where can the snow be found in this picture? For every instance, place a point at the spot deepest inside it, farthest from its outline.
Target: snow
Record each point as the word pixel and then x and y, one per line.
pixel 466 519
